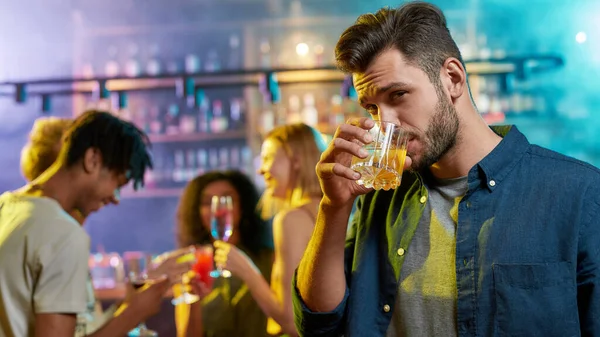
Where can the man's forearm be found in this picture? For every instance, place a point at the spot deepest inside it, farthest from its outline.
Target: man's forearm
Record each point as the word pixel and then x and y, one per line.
pixel 321 280
pixel 120 324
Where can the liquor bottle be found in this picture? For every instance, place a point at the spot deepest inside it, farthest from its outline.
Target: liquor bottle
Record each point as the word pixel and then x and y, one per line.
pixel 310 115
pixel 235 56
pixel 133 67
pixel 187 122
pixel 111 68
pixel 265 53
pixel 201 161
pixel 190 164
pixel 212 63
pixel 192 63
pixel 237 115
pixel 219 120
pixel 172 120
pixel 179 169
pixel 204 115
pixel 294 115
pixel 153 67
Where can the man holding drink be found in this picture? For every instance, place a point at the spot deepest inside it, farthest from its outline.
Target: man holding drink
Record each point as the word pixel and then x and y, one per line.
pixel 485 235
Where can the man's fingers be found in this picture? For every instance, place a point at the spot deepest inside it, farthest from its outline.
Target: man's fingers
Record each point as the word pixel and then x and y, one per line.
pixel 329 170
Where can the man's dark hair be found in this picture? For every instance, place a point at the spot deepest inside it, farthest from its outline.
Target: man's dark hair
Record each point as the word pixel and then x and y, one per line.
pixel 417 29
pixel 124 147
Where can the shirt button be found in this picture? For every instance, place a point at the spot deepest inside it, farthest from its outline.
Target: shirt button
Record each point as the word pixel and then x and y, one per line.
pixel 386 308
pixel 468 204
pixel 400 251
pixel 492 183
pixel 423 199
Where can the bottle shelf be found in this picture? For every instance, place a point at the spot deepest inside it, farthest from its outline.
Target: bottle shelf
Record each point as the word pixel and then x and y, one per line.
pixel 151 193
pixel 196 137
pixel 520 65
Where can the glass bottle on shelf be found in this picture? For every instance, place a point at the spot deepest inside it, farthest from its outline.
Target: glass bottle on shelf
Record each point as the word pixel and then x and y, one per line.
pixel 234 157
pixel 212 63
pixel 111 68
pixel 337 113
pixel 310 115
pixel 190 164
pixel 265 53
pixel 319 55
pixel 153 67
pixel 132 66
pixel 158 171
pixel 192 63
pixel 235 56
pixel 237 115
pixel 179 168
pixel 223 158
pixel 294 115
pixel 156 121
pixel 187 122
pixel 219 120
pixel 204 115
pixel 172 119
pixel 213 159
pixel 201 161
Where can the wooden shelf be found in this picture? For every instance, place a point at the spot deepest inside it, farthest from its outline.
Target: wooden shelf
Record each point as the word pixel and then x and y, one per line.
pixel 152 193
pixel 197 137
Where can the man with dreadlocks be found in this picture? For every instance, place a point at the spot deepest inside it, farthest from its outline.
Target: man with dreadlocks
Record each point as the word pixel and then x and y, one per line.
pixel 43 250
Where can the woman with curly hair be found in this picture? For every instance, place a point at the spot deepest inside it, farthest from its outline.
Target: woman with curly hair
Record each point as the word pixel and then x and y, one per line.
pixel 228 309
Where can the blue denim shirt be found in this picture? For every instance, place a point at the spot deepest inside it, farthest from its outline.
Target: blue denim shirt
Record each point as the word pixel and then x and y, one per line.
pixel 527 249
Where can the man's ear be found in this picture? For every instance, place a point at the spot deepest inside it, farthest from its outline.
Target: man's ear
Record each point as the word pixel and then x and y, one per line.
pixel 454 77
pixel 92 160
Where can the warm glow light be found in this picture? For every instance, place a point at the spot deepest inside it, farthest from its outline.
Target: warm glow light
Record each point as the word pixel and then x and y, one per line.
pixel 581 37
pixel 302 49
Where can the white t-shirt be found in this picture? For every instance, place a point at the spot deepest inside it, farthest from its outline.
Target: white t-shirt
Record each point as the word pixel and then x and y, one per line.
pixel 43 262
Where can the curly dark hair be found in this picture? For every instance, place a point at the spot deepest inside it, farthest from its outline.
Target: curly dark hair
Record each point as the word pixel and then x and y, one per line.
pixel 254 234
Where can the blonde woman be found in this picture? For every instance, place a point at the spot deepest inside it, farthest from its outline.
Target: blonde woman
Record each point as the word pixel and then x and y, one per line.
pixel 289 155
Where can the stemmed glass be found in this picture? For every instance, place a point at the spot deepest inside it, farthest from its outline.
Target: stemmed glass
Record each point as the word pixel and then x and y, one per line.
pixel 221 225
pixel 186 297
pixel 138 278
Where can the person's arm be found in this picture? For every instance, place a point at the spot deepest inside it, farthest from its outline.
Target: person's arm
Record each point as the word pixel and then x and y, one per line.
pixel 60 290
pixel 55 325
pixel 188 317
pixel 311 322
pixel 588 269
pixel 292 231
pixel 321 278
pixel 137 308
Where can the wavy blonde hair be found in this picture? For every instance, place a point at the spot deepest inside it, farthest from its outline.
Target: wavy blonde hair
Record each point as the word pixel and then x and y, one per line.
pixel 43 147
pixel 304 145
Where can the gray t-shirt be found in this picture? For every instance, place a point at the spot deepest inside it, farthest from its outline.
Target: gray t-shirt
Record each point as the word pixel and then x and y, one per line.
pixel 43 262
pixel 427 294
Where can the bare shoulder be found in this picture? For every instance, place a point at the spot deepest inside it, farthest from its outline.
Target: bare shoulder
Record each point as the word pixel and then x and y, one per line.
pixel 294 220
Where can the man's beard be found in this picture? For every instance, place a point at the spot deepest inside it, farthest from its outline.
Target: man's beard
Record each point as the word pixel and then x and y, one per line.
pixel 440 136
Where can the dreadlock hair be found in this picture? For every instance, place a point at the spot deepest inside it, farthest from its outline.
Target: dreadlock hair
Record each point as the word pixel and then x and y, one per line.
pixel 123 146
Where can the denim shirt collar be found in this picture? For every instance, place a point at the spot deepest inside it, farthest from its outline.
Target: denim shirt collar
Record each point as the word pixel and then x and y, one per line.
pixel 495 167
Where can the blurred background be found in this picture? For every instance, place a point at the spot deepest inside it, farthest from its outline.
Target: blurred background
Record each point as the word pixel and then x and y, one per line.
pixel 206 78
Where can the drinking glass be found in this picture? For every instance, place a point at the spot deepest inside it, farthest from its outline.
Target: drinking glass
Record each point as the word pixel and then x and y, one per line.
pixel 186 297
pixel 204 264
pixel 384 164
pixel 138 278
pixel 221 225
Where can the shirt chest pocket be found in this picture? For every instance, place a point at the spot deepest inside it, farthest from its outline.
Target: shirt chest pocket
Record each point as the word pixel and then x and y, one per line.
pixel 535 300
